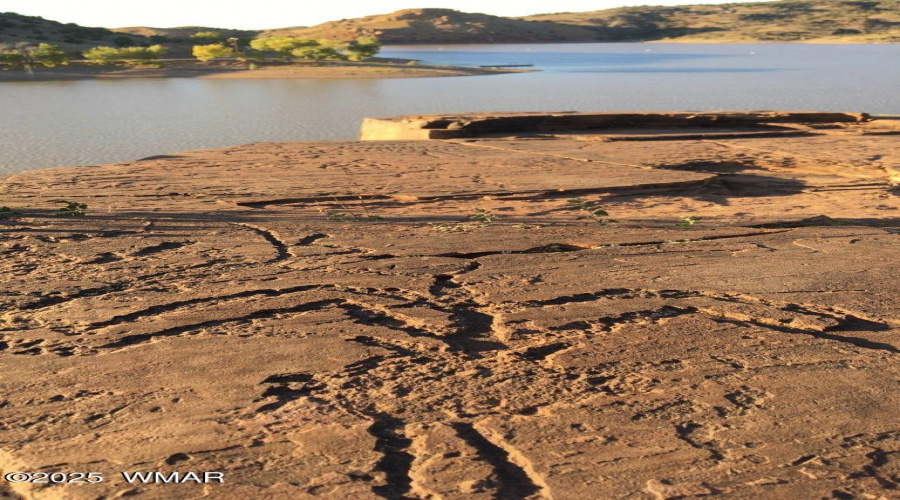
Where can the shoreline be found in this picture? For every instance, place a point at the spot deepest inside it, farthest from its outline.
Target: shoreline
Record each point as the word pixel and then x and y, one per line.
pixel 236 70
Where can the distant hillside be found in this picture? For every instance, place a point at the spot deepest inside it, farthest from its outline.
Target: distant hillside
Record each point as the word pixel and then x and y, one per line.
pixel 182 33
pixel 442 26
pixel 30 29
pixel 72 37
pixel 781 21
pixel 787 20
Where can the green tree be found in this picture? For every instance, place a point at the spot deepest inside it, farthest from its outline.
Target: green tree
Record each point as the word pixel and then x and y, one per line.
pixel 132 56
pixel 212 51
pixel 26 56
pixel 104 55
pixel 362 48
pixel 49 56
pixel 281 45
pixel 207 36
pixel 319 53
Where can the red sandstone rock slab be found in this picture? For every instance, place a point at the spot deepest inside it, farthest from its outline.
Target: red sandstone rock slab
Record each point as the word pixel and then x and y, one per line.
pixel 231 311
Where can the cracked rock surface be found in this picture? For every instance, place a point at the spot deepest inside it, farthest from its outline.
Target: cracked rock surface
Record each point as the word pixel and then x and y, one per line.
pixel 323 320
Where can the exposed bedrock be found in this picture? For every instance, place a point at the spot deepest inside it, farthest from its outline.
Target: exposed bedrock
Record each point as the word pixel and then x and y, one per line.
pixel 456 319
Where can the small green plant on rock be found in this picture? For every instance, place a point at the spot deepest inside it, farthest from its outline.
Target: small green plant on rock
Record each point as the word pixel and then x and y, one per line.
pixel 6 211
pixel 481 217
pixel 484 216
pixel 590 210
pixel 350 214
pixel 347 216
pixel 688 221
pixel 71 208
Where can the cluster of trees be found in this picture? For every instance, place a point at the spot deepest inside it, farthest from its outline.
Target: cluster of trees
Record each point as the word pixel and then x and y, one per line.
pixel 137 56
pixel 290 48
pixel 26 56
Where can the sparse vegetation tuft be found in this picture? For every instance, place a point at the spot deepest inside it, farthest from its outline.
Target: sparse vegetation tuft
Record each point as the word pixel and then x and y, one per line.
pixel 351 216
pixel 480 217
pixel 589 210
pixel 483 216
pixel 71 208
pixel 688 221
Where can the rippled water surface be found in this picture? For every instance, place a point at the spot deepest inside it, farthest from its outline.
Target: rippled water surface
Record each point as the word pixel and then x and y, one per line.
pixel 90 122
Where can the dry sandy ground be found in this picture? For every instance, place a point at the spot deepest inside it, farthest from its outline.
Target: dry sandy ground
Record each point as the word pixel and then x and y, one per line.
pixel 235 70
pixel 208 315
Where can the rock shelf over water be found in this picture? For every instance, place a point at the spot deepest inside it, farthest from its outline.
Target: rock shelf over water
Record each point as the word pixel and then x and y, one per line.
pixel 323 319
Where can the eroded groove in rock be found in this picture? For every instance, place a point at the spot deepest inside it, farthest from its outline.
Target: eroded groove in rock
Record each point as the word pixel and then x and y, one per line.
pixel 691 433
pixel 514 481
pixel 172 306
pixel 281 248
pixel 854 341
pixel 309 240
pixel 162 247
pixel 48 301
pixel 130 340
pixel 396 461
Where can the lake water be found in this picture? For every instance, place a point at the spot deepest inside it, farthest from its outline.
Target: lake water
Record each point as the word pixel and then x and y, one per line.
pixel 91 122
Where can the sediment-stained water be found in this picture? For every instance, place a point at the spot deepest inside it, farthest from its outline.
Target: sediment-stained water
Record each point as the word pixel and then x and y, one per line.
pixel 89 122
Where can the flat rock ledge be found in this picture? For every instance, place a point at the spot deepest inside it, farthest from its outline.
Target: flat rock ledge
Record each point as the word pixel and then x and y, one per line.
pixel 418 127
pixel 451 319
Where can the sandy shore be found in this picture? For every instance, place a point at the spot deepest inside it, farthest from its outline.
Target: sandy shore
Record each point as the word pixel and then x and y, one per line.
pixel 236 70
pixel 235 310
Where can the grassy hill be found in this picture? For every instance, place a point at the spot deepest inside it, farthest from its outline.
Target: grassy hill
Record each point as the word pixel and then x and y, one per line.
pixel 18 28
pixel 443 26
pixel 787 21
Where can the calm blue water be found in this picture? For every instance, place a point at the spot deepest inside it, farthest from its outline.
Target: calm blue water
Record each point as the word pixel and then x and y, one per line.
pixel 45 124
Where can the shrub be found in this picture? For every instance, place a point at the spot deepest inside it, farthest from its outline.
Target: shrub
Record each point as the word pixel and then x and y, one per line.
pixel 281 45
pixel 210 52
pixel 127 55
pixel 318 53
